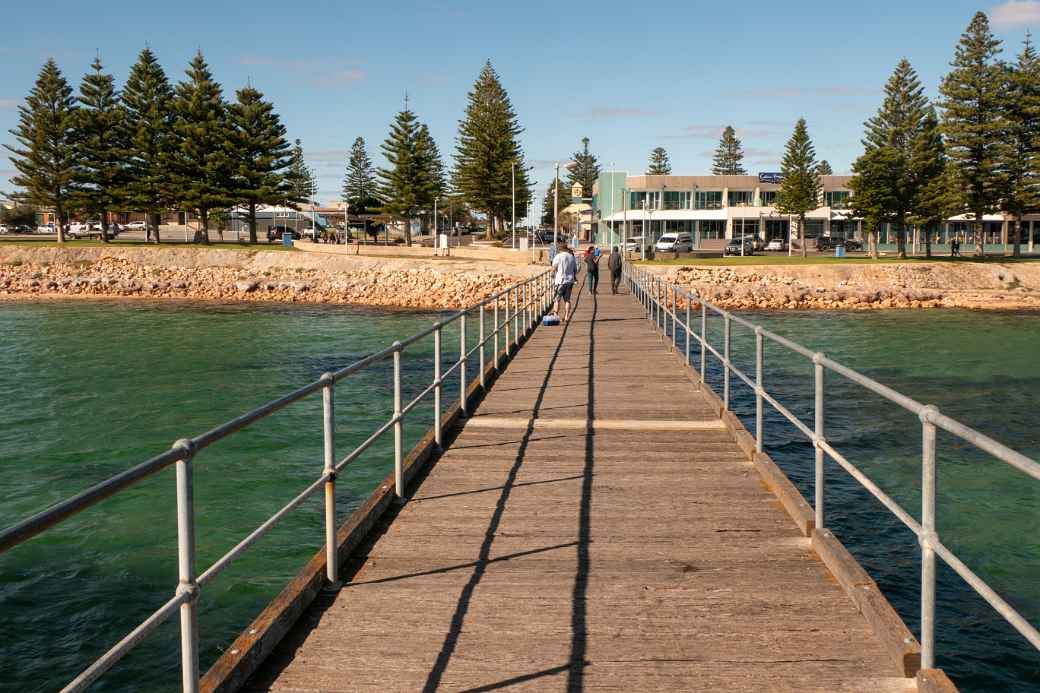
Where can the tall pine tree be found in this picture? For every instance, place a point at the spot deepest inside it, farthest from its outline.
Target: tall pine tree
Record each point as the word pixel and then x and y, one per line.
pixel 659 164
pixel 148 103
pixel 824 168
pixel 973 122
pixel 101 147
pixel 1021 163
pixel 403 181
pixel 897 127
pixel 431 169
pixel 301 183
pixel 729 155
pixel 800 190
pixel 563 198
pixel 933 204
pixel 486 151
pixel 260 154
pixel 359 186
pixel 583 170
pixel 44 156
pixel 202 174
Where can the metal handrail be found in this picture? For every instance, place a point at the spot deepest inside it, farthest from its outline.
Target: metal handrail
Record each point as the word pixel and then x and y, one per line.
pixel 653 294
pixel 524 302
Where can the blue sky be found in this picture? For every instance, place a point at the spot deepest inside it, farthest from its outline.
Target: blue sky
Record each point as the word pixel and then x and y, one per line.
pixel 628 75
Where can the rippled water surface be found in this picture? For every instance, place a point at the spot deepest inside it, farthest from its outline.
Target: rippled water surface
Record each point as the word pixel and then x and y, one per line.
pixel 89 388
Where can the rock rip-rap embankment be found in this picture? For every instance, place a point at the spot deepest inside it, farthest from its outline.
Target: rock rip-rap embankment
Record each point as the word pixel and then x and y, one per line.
pixel 985 286
pixel 235 275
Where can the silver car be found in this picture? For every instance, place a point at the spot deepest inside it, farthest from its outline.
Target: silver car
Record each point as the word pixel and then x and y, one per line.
pixel 674 243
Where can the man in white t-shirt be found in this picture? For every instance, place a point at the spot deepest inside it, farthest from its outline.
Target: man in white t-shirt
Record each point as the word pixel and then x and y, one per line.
pixel 565 270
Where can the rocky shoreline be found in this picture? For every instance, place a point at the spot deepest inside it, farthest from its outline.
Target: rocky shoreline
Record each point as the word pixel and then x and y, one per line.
pixel 253 278
pixel 977 286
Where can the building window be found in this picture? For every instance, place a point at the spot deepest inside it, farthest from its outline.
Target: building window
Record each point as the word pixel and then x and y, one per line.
pixel 768 198
pixel 745 228
pixel 709 199
pixel 713 229
pixel 839 199
pixel 652 199
pixel 741 198
pixel 677 199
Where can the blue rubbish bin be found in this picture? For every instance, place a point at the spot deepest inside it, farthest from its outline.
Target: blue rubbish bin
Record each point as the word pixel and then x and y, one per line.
pixel 287 240
pixel 839 251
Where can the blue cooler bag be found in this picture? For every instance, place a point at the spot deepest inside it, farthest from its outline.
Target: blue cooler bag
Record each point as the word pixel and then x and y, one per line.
pixel 551 320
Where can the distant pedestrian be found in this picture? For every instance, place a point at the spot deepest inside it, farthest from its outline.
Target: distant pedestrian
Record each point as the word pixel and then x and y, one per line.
pixel 955 247
pixel 565 269
pixel 614 265
pixel 592 266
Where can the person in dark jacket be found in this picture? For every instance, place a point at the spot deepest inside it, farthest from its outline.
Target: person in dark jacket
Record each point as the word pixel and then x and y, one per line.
pixel 614 265
pixel 592 266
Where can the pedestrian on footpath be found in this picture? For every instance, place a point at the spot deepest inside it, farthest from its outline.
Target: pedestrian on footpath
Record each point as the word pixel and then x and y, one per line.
pixel 565 269
pixel 592 266
pixel 614 265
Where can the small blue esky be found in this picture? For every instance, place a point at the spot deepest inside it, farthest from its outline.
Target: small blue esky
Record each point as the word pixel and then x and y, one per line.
pixel 627 75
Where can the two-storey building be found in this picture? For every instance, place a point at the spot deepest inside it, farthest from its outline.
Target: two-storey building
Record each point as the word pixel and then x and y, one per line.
pixel 711 208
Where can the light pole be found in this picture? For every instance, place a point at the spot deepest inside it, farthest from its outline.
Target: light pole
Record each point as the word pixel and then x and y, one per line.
pixel 556 206
pixel 647 219
pixel 610 222
pixel 512 176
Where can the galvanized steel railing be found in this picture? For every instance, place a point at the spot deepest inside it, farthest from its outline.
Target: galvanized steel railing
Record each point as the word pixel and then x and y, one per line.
pixel 523 305
pixel 660 299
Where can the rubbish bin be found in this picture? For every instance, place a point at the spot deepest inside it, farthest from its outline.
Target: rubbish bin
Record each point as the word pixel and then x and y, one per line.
pixel 839 251
pixel 287 240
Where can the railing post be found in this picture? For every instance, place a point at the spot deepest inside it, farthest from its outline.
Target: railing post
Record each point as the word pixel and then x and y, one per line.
pixel 687 326
pixel 186 569
pixel 494 316
pixel 462 364
pixel 516 316
pixel 725 369
pixel 928 538
pixel 704 341
pixel 820 482
pixel 675 315
pixel 398 427
pixel 437 385
pixel 759 389
pixel 508 292
pixel 483 386
pixel 328 405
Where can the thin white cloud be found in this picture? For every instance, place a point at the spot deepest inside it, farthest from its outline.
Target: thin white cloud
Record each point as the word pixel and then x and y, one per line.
pixel 1016 13
pixel 714 131
pixel 612 113
pixel 342 78
pixel 6 104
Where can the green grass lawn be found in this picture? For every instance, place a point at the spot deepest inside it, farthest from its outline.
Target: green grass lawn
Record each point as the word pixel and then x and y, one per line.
pixel 736 260
pixel 93 243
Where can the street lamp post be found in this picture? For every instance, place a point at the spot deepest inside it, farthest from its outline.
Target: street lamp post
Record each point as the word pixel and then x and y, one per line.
pixel 512 175
pixel 556 207
pixel 647 220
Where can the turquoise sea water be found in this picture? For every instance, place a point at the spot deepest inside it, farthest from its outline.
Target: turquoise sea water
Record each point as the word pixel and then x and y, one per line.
pixel 90 388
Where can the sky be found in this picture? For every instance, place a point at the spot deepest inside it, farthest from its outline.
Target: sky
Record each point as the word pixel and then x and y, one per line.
pixel 628 76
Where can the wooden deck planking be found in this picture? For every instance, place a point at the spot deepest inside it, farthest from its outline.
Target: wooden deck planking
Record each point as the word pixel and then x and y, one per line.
pixel 534 558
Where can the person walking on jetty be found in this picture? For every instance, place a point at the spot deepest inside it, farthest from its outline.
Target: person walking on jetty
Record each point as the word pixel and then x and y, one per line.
pixel 565 270
pixel 592 266
pixel 614 265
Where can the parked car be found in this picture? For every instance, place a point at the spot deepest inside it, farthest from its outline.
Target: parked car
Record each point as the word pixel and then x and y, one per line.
pixel 633 244
pixel 680 242
pixel 48 228
pixel 852 244
pixel 733 247
pixel 777 244
pixel 135 225
pixel 546 235
pixel 5 229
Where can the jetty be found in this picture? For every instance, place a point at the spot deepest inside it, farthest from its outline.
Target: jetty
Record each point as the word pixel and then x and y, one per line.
pixel 585 513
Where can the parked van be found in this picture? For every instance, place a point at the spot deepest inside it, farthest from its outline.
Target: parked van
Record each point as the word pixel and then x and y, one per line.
pixel 674 243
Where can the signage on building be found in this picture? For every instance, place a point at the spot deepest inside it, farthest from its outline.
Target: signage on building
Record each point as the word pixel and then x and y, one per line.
pixel 771 177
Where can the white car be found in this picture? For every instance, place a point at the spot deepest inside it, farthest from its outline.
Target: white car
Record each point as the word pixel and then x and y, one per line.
pixel 777 244
pixel 135 225
pixel 633 244
pixel 4 229
pixel 674 243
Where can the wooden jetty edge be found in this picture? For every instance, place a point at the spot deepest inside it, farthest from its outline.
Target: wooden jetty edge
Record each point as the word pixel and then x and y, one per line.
pixel 598 522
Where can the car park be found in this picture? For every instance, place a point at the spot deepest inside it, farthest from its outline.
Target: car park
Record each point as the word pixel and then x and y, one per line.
pixel 674 243
pixel 737 247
